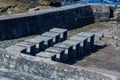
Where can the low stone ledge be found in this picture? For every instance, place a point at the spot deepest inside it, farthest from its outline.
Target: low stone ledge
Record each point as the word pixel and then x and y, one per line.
pixel 51 70
pixel 7 74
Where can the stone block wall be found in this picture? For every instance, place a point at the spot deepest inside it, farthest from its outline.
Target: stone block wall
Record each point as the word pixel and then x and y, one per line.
pixel 21 25
pixel 7 74
pixel 101 12
pixel 51 70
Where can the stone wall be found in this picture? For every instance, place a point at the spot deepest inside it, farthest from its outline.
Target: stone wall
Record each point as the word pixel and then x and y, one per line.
pixel 21 25
pixel 7 74
pixel 103 12
pixel 48 69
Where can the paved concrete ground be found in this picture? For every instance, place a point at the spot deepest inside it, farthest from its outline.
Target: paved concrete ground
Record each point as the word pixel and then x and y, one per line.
pixel 105 60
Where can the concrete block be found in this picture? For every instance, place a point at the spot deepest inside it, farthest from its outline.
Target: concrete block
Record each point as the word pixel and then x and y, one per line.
pixel 67 48
pixel 47 55
pixel 54 35
pixel 63 33
pixel 59 53
pixel 31 47
pixel 16 48
pixel 76 48
pixel 48 41
pixel 39 43
pixel 83 41
pixel 90 37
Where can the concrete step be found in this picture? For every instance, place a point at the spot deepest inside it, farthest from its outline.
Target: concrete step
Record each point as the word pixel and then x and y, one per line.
pixel 31 47
pixel 54 35
pixel 47 55
pixel 68 49
pixel 59 53
pixel 63 33
pixel 16 48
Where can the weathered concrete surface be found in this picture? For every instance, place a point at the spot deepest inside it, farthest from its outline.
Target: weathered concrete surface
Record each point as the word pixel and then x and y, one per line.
pixel 59 53
pixel 106 60
pixel 54 35
pixel 51 70
pixel 16 48
pixel 47 55
pixel 7 74
pixel 68 49
pixel 62 32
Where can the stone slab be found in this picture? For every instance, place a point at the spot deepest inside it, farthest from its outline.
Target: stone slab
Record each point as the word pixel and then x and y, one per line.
pixel 79 38
pixel 63 33
pixel 64 46
pixel 85 34
pixel 71 42
pixel 51 34
pixel 26 44
pixel 67 47
pixel 59 53
pixel 48 41
pixel 16 48
pixel 55 50
pixel 59 30
pixel 76 48
pixel 83 42
pixel 39 43
pixel 48 55
pixel 45 38
pixel 54 35
pixel 31 47
pixel 35 40
pixel 90 40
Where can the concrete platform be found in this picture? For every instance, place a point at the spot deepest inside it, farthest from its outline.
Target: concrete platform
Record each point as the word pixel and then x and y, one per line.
pixel 39 43
pixel 54 35
pixel 76 48
pixel 48 41
pixel 90 37
pixel 67 47
pixel 47 55
pixel 63 33
pixel 59 53
pixel 16 48
pixel 83 42
pixel 31 47
pixel 85 34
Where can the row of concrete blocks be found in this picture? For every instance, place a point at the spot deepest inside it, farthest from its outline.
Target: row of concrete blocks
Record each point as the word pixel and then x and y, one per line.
pixel 34 45
pixel 70 49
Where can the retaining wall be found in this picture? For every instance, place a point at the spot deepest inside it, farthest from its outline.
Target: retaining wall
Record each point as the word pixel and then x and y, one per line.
pixel 69 17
